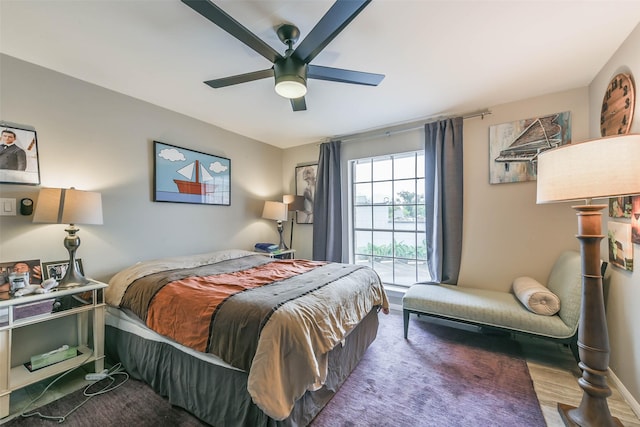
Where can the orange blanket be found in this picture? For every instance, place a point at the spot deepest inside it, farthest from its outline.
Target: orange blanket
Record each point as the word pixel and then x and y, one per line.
pixel 193 301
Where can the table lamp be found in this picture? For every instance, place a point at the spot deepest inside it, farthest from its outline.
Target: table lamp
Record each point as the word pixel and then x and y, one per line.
pixel 62 206
pixel 596 169
pixel 276 211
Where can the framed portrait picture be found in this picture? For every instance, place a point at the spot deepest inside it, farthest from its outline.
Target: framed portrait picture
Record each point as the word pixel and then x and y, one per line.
pixel 186 176
pixel 19 162
pixel 306 187
pixel 57 269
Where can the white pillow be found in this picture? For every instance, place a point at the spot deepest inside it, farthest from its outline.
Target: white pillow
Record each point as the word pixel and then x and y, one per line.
pixel 535 296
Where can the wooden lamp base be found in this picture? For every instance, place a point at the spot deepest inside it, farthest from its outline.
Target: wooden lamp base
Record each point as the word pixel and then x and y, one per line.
pixel 564 414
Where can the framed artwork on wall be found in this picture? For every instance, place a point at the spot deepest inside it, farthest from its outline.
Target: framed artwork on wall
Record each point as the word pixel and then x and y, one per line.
pixel 57 269
pixel 620 246
pixel 306 187
pixel 635 220
pixel 620 207
pixel 187 176
pixel 514 147
pixel 19 163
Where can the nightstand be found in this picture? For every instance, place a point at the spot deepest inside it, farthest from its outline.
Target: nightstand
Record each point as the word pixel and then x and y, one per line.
pixel 86 303
pixel 287 254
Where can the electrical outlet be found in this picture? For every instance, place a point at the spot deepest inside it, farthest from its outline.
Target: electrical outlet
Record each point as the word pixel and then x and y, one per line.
pixel 7 207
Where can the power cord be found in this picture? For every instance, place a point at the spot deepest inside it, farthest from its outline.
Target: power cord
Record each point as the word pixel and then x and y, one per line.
pixel 111 374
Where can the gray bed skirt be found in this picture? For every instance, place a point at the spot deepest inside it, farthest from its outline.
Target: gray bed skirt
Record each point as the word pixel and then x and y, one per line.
pixel 218 395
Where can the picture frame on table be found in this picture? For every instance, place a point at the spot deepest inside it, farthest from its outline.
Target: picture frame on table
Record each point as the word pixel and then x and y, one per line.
pixel 19 161
pixel 57 269
pixel 306 176
pixel 182 175
pixel 23 268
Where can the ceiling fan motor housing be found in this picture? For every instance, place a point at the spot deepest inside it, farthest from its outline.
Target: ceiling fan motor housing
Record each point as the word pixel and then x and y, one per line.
pixel 291 77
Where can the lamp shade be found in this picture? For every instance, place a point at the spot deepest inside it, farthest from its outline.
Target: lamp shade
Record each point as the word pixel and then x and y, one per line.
pixel 62 206
pixel 276 211
pixel 600 168
pixel 293 202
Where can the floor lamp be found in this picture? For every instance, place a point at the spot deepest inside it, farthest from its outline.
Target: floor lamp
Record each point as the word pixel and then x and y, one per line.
pixel 595 169
pixel 62 206
pixel 294 203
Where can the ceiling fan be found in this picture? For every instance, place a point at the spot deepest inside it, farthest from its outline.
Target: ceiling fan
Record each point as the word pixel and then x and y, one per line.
pixel 292 69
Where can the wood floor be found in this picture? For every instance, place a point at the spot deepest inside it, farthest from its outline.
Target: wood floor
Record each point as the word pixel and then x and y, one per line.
pixel 555 378
pixel 552 368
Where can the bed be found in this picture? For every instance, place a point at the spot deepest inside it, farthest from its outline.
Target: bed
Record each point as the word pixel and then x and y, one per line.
pixel 239 338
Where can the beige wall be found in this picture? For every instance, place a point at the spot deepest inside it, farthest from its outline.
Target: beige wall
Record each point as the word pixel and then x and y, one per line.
pixel 623 316
pixel 99 140
pixel 505 233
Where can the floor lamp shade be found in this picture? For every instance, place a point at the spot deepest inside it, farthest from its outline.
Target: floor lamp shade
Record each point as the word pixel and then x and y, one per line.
pixel 69 206
pixel 589 170
pixel 293 202
pixel 599 168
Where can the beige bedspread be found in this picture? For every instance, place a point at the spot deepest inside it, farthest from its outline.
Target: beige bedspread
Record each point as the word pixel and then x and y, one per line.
pixel 291 353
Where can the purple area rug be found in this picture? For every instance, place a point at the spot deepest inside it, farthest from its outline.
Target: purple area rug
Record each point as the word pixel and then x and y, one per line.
pixel 134 404
pixel 440 376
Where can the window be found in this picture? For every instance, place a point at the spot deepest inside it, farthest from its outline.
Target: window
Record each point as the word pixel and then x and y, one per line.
pixel 387 216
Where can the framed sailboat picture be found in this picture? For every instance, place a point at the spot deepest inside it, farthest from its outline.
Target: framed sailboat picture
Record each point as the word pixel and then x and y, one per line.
pixel 187 176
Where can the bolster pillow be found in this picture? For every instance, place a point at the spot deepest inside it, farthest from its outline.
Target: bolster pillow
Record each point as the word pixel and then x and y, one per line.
pixel 535 296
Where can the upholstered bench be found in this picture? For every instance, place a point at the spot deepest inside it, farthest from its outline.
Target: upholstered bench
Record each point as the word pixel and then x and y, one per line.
pixel 503 310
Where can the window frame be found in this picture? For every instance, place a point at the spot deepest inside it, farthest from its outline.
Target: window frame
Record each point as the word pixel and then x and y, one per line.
pixel 418 259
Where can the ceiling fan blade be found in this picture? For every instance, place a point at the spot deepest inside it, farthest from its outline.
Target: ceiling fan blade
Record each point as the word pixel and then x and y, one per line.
pixel 337 17
pixel 298 104
pixel 216 15
pixel 240 78
pixel 344 76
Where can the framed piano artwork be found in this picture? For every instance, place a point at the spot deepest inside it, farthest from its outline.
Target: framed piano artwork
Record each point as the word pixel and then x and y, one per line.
pixel 514 147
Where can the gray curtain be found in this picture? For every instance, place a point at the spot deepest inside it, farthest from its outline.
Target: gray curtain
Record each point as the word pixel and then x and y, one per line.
pixel 443 198
pixel 327 205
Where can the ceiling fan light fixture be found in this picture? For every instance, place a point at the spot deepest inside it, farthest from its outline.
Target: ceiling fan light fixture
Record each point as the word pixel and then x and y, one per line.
pixel 290 87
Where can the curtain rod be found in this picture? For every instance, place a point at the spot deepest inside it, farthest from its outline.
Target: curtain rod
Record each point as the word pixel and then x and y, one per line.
pixel 405 127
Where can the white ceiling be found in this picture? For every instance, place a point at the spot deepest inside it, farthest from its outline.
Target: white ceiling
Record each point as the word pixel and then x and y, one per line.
pixel 439 57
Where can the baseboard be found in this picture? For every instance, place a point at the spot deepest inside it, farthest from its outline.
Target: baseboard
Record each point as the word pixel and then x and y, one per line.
pixel 633 404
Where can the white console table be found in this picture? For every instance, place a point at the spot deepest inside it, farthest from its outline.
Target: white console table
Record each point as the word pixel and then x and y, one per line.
pixel 85 302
